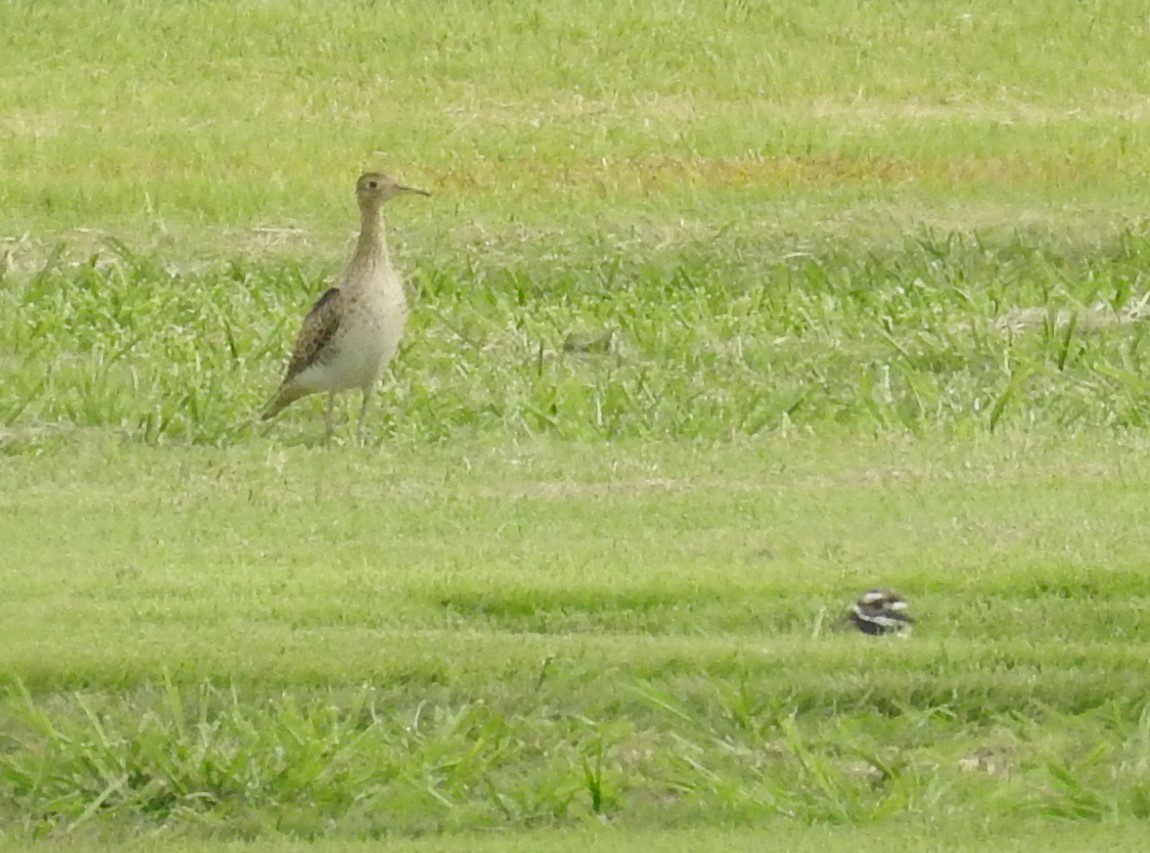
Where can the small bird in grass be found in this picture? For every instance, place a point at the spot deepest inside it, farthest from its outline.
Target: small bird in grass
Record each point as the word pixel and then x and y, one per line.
pixel 353 330
pixel 881 611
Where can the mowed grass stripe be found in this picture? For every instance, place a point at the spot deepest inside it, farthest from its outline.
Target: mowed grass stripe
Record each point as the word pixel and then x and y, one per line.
pixel 256 565
pixel 254 111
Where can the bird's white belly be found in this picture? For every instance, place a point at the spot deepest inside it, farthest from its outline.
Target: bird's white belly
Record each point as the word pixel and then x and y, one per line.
pixel 361 351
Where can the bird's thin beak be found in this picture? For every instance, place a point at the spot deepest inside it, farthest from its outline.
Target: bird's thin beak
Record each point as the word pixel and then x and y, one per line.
pixel 404 189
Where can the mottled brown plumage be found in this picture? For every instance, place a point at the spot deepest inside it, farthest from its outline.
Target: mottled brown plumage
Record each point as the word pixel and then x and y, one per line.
pixel 354 329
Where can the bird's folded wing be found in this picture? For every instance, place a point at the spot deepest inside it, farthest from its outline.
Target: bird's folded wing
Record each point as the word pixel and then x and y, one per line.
pixel 319 326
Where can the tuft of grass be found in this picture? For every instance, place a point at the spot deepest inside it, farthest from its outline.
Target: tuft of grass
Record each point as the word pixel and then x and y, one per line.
pixel 953 332
pixel 207 758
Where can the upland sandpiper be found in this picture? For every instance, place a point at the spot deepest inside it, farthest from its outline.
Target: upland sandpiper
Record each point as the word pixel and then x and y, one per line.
pixel 354 329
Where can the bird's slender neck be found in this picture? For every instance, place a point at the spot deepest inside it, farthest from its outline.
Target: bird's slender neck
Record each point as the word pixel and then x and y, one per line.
pixel 371 248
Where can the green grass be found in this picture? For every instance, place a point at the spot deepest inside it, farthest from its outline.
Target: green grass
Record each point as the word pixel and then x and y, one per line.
pixel 962 333
pixel 187 126
pixel 1061 836
pixel 723 313
pixel 265 641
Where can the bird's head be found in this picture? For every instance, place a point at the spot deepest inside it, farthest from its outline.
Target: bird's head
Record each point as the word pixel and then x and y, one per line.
pixel 375 188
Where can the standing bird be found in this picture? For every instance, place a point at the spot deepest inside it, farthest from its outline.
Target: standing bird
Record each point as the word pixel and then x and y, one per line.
pixel 881 611
pixel 352 332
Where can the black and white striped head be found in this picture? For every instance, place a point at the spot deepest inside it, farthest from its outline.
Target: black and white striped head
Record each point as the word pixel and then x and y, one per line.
pixel 881 611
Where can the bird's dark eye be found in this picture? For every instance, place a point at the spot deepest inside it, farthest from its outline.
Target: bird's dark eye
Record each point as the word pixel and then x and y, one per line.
pixel 372 185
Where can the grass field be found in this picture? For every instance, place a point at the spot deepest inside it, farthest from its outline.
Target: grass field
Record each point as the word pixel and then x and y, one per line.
pixel 723 313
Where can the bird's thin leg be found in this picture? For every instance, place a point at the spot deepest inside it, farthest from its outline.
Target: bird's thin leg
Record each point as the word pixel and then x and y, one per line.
pixel 363 413
pixel 327 419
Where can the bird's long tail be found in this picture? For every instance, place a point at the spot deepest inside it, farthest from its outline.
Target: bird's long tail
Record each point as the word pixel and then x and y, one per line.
pixel 282 400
